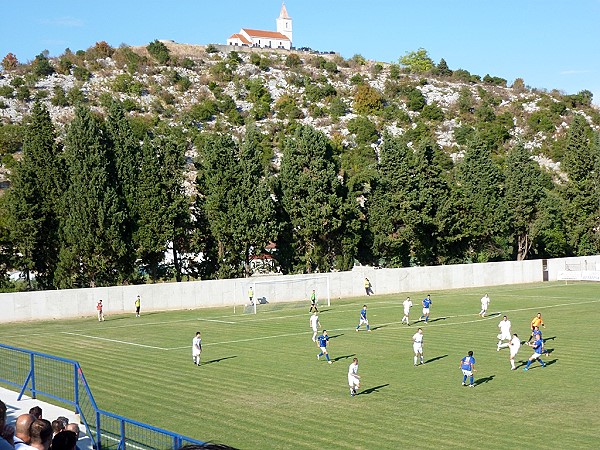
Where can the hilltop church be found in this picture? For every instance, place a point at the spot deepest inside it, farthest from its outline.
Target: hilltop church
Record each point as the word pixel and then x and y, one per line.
pixel 282 38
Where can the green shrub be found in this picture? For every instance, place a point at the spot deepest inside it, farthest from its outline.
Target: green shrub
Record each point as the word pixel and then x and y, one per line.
pixel 59 97
pixel 7 91
pixel 364 130
pixel 432 112
pixel 159 51
pixel 81 73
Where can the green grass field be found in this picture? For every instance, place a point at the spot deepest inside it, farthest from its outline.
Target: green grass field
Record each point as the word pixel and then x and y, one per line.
pixel 260 385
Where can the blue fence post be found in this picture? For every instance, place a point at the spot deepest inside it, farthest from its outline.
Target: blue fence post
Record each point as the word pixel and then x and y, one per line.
pixel 33 391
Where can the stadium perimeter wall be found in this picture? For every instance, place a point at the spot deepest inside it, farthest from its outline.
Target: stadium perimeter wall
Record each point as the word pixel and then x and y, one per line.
pixel 26 306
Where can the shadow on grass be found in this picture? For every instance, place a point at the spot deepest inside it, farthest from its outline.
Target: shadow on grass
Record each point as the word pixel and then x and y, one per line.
pixel 549 339
pixel 336 335
pixel 338 358
pixel 378 327
pixel 484 380
pixel 437 319
pixel 552 361
pixel 373 389
pixel 217 360
pixel 435 359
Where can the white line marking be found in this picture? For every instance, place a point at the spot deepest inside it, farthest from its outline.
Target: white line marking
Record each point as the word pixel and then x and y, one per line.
pixel 113 340
pixel 215 320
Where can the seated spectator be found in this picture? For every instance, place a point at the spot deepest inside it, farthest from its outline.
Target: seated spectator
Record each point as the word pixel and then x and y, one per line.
pixel 64 421
pixel 65 440
pixel 41 434
pixel 36 412
pixel 22 431
pixel 5 444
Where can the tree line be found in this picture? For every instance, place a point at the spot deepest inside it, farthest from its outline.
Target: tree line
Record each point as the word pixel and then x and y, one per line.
pixel 101 205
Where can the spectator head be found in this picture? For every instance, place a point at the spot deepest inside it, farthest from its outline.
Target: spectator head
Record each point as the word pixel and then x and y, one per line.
pixel 23 426
pixel 57 426
pixel 64 420
pixel 36 412
pixel 65 440
pixel 72 426
pixel 41 434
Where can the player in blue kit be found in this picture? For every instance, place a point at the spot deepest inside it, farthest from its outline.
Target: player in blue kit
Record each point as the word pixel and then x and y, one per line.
pixel 323 340
pixel 363 318
pixel 467 365
pixel 538 349
pixel 426 304
pixel 537 334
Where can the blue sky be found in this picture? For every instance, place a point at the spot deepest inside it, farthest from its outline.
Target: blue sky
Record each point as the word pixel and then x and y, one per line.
pixel 551 44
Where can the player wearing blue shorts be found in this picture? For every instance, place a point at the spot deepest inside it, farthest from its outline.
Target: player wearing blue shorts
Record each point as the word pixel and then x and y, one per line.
pixel 323 340
pixel 467 365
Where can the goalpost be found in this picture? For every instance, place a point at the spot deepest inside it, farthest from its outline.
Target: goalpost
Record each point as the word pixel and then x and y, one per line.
pixel 289 289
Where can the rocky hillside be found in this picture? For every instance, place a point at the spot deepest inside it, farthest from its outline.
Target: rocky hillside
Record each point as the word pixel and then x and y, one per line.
pixel 354 102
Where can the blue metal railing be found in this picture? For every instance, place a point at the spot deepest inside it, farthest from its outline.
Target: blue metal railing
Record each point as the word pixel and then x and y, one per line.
pixel 62 380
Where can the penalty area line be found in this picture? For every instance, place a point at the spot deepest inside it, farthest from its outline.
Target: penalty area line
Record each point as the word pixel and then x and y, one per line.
pixel 113 340
pixel 218 321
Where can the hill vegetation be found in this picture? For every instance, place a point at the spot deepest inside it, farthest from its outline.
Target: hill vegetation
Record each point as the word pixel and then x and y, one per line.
pixel 115 156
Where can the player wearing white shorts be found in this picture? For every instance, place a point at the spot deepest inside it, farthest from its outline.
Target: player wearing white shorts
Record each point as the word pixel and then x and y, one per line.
pixel 363 319
pixel 505 333
pixel 418 345
pixel 314 324
pixel 514 345
pixel 196 348
pixel 407 304
pixel 353 377
pixel 485 302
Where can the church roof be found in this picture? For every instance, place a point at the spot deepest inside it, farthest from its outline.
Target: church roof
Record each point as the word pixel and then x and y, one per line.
pixel 265 34
pixel 284 14
pixel 241 37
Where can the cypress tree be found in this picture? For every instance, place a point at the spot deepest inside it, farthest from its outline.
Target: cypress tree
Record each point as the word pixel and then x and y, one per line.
pixel 33 200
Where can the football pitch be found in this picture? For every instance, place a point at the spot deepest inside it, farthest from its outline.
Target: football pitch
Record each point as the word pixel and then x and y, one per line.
pixel 260 385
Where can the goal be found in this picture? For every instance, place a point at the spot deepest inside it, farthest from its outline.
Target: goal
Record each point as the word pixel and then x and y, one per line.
pixel 293 288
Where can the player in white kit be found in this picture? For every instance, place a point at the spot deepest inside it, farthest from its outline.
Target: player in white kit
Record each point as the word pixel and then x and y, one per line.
pixel 353 377
pixel 505 333
pixel 314 324
pixel 407 304
pixel 418 345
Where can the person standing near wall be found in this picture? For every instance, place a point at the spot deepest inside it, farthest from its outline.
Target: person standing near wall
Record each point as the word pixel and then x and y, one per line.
pixel 313 302
pixel 368 287
pixel 99 309
pixel 138 304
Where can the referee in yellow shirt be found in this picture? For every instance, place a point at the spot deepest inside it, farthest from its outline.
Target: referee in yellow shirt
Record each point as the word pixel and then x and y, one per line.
pixel 537 321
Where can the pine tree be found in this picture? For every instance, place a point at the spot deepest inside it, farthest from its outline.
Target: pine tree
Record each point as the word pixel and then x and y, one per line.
pixel 94 251
pixel 481 202
pixel 582 193
pixel 33 200
pixel 314 201
pixel 390 207
pixel 524 196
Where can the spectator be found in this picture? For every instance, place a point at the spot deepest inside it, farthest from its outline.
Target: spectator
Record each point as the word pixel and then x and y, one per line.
pixel 65 440
pixel 22 431
pixel 36 412
pixel 64 421
pixel 5 444
pixel 57 427
pixel 41 434
pixel 75 429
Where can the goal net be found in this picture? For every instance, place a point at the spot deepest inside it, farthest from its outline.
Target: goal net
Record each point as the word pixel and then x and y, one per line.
pixel 255 294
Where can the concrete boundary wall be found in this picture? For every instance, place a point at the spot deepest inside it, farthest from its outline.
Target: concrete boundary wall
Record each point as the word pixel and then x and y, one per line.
pixel 26 306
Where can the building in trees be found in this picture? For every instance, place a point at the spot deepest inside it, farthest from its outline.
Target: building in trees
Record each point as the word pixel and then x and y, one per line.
pixel 282 38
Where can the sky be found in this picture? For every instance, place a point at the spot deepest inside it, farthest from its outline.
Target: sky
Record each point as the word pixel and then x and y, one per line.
pixel 551 44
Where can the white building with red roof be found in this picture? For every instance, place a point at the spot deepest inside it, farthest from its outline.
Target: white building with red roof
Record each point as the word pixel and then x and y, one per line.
pixel 282 38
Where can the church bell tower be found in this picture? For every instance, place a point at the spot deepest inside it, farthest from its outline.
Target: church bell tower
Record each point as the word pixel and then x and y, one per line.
pixel 284 23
